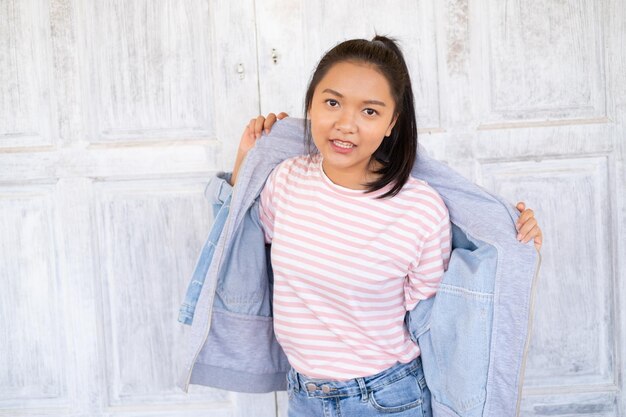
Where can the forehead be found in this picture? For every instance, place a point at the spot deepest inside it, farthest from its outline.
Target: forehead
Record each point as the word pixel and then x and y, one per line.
pixel 356 79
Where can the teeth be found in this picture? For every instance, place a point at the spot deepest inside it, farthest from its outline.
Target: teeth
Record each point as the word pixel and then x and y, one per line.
pixel 341 144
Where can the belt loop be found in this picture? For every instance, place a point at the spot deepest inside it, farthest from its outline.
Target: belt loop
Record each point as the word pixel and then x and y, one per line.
pixel 363 388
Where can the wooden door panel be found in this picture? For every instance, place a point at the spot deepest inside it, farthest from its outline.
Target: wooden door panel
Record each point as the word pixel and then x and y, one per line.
pixel 149 70
pixel 574 325
pixel 34 320
pixel 545 61
pixel 143 240
pixel 26 109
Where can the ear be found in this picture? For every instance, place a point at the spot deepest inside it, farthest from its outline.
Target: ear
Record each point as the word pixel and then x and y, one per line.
pixel 391 125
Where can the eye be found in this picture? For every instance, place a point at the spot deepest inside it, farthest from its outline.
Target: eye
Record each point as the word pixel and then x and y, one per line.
pixel 332 103
pixel 370 112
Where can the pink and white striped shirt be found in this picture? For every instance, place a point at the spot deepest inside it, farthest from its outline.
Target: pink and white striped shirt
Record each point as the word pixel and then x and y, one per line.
pixel 348 266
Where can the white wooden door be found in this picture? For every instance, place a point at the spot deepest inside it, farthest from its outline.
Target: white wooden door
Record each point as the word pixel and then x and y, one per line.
pixel 529 99
pixel 113 116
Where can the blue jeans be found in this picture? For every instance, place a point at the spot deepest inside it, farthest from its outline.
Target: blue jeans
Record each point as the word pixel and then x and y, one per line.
pixel 399 391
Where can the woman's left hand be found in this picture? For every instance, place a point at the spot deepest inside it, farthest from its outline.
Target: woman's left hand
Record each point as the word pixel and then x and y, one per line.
pixel 527 226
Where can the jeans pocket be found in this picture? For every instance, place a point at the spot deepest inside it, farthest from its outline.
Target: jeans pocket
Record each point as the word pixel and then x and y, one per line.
pixel 400 395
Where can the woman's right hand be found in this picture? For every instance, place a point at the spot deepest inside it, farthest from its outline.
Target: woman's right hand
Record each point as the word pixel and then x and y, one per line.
pixel 250 134
pixel 253 130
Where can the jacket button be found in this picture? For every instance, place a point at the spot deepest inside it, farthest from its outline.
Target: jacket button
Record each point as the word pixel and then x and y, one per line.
pixel 311 387
pixel 325 389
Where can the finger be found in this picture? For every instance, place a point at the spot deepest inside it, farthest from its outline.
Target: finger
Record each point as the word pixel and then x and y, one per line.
pixel 269 121
pixel 526 227
pixel 521 206
pixel 258 126
pixel 251 128
pixel 529 231
pixel 524 217
pixel 282 115
pixel 538 242
pixel 533 234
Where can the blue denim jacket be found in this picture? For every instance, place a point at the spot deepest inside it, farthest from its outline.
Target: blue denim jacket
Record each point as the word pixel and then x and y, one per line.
pixel 473 334
pixel 219 193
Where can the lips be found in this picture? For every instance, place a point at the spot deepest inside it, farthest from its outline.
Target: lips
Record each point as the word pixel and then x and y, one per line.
pixel 343 143
pixel 342 147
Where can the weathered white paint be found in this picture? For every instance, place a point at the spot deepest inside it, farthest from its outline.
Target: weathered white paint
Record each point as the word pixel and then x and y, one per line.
pixel 114 114
pixel 26 84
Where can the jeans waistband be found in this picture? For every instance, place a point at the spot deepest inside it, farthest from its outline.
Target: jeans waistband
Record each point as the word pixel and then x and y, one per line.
pixel 321 388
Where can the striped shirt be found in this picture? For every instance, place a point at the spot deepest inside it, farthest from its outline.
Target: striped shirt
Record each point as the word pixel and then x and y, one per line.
pixel 347 267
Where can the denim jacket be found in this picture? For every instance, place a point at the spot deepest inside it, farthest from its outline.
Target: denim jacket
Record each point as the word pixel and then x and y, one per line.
pixel 473 334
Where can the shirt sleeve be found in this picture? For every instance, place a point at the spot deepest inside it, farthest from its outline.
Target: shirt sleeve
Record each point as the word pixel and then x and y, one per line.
pixel 267 208
pixel 426 273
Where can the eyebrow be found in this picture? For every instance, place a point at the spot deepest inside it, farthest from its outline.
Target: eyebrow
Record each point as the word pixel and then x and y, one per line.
pixel 380 103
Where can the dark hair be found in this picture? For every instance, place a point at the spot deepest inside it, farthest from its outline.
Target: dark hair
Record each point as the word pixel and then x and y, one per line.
pixel 397 152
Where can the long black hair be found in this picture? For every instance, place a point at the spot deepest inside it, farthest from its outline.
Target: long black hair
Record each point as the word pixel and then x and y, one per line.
pixel 397 152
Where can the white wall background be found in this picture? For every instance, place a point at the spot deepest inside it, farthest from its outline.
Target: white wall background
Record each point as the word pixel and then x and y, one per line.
pixel 114 114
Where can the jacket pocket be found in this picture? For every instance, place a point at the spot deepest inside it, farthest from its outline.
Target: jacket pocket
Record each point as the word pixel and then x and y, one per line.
pixel 461 335
pixel 456 349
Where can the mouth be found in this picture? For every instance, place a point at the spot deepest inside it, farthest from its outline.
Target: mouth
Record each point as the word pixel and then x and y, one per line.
pixel 342 144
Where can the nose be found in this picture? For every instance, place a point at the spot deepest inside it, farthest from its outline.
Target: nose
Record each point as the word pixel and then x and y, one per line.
pixel 345 122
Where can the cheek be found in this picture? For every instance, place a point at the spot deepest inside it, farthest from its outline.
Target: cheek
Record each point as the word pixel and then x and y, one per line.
pixel 375 145
pixel 320 127
pixel 376 136
pixel 316 133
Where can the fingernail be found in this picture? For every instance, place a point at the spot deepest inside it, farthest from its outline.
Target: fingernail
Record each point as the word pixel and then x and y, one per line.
pixel 519 236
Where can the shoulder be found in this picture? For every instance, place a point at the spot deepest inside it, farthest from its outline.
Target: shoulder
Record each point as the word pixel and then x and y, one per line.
pixel 292 170
pixel 301 165
pixel 420 194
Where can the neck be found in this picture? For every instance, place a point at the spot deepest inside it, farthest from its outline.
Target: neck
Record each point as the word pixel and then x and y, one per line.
pixel 353 179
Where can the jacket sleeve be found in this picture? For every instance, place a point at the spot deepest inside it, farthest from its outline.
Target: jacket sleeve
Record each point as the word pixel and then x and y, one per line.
pixel 218 189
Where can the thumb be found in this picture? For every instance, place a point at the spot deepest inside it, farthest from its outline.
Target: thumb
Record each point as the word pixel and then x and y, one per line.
pixel 521 206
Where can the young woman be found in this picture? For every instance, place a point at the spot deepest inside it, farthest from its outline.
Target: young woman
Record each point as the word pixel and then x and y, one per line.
pixel 356 241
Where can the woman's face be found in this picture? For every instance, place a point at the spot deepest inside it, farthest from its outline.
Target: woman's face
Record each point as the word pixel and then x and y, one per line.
pixel 351 111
